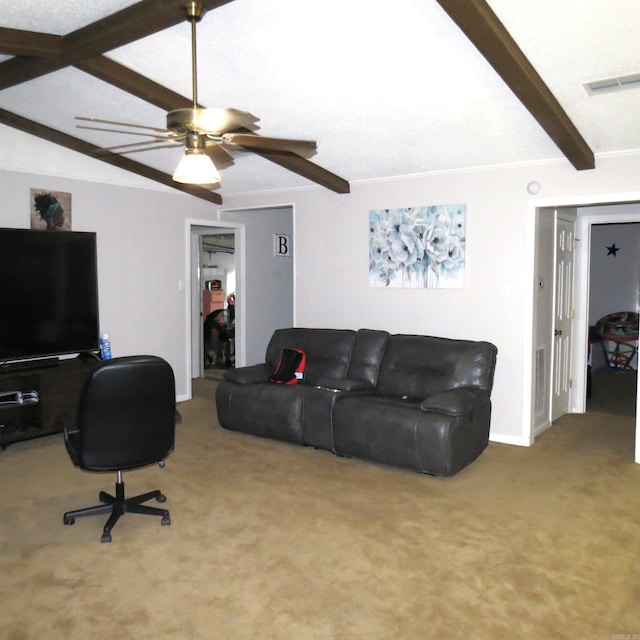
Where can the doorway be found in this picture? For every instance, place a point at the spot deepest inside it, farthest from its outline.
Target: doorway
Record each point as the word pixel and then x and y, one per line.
pixel 611 222
pixel 264 279
pixel 587 215
pixel 218 287
pixel 205 241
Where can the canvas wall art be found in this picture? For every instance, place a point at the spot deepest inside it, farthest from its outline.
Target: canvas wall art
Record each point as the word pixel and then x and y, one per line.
pixel 418 247
pixel 50 210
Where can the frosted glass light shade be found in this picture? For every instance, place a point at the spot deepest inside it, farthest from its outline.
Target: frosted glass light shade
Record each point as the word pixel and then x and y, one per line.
pixel 196 167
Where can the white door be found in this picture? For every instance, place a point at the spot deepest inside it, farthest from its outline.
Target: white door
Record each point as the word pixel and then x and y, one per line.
pixel 563 317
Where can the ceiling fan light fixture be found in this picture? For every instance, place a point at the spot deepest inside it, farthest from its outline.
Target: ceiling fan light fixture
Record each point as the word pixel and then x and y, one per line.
pixel 196 167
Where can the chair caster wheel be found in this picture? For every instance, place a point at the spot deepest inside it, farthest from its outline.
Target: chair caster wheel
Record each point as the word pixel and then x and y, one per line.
pixel 67 520
pixel 166 520
pixel 106 537
pixel 161 498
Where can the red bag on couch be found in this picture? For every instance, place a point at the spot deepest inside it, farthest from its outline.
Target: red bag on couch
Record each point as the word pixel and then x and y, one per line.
pixel 290 369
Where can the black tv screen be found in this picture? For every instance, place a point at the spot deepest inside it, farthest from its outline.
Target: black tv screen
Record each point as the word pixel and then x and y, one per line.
pixel 48 293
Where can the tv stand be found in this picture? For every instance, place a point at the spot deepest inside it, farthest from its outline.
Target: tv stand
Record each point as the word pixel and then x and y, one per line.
pixel 48 390
pixel 21 365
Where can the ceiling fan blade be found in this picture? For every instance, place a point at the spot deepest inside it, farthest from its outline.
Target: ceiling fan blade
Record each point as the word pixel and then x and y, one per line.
pixel 166 142
pixel 129 133
pixel 121 124
pixel 221 158
pixel 151 147
pixel 302 148
pixel 243 119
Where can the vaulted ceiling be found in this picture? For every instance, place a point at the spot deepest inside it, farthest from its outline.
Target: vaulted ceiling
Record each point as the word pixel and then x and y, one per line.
pixel 386 89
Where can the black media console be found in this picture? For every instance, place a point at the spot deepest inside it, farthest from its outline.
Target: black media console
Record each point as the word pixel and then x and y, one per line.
pixel 34 395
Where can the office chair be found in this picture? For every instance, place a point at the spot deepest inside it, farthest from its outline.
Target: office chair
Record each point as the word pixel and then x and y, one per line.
pixel 126 419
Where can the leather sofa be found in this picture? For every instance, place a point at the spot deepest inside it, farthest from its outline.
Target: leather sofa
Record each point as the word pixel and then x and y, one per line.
pixel 416 402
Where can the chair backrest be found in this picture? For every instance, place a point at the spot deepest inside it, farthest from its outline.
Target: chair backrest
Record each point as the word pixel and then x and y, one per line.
pixel 126 415
pixel 367 354
pixel 327 350
pixel 417 367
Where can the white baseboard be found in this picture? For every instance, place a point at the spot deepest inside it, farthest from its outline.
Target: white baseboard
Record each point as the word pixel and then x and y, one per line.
pixel 504 439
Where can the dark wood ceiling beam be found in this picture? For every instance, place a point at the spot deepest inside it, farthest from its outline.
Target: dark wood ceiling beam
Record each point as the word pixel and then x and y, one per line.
pixel 124 78
pixel 481 25
pixel 123 27
pixel 16 42
pixel 83 49
pixel 80 146
pixel 306 169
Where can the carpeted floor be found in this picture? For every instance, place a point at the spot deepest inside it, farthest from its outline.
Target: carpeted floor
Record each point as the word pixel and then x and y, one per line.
pixel 274 541
pixel 613 393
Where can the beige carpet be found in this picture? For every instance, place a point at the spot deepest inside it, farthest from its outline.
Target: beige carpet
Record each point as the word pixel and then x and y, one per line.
pixel 275 541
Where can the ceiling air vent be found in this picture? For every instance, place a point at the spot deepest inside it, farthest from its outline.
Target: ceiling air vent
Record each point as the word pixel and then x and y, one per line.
pixel 621 83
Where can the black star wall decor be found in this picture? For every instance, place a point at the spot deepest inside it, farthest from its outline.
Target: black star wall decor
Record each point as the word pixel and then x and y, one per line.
pixel 613 250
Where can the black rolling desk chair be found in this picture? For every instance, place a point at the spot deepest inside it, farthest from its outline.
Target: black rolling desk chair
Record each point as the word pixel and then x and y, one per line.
pixel 126 419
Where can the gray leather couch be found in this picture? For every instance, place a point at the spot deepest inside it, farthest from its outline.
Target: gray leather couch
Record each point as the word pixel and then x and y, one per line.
pixel 417 402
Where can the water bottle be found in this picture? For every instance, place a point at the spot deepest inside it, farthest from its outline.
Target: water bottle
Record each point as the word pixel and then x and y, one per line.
pixel 105 346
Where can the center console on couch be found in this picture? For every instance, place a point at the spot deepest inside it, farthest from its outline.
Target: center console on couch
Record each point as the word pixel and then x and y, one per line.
pixel 417 402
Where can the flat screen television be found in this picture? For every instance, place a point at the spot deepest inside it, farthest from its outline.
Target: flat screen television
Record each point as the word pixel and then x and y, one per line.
pixel 48 294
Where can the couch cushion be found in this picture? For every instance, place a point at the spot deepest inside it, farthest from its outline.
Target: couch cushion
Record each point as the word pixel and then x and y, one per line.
pixel 262 409
pixel 328 350
pixel 367 355
pixel 416 367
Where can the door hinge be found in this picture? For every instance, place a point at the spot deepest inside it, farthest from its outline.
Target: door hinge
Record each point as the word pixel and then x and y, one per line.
pixel 570 383
pixel 572 315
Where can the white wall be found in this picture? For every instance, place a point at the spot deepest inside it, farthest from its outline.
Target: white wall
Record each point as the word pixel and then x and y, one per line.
pixel 142 256
pixel 614 283
pixel 265 302
pixel 332 262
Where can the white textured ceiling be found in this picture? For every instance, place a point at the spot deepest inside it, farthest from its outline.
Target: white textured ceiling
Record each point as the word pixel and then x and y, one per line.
pixel 385 88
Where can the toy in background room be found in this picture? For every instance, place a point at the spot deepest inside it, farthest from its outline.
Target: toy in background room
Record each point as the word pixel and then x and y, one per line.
pixel 218 340
pixel 619 338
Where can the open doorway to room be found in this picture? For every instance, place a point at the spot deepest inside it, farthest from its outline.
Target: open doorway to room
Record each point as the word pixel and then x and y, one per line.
pixel 218 286
pixel 215 274
pixel 614 302
pixel 588 218
pixel 264 280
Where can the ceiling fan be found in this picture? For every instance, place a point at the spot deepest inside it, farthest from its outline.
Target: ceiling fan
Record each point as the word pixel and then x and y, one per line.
pixel 208 135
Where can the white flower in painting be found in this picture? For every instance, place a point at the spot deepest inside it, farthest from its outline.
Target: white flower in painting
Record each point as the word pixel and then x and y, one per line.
pixel 455 256
pixel 435 244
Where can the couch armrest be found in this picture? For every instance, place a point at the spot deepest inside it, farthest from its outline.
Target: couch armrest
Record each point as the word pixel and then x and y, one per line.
pixel 344 384
pixel 454 402
pixel 252 374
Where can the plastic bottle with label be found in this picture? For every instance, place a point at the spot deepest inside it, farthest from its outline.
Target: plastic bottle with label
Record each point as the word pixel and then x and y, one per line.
pixel 105 346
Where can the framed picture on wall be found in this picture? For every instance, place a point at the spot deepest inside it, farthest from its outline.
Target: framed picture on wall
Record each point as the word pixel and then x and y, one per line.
pixel 418 247
pixel 50 210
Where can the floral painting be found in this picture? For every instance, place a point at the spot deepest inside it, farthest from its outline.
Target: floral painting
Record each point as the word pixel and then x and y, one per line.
pixel 419 247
